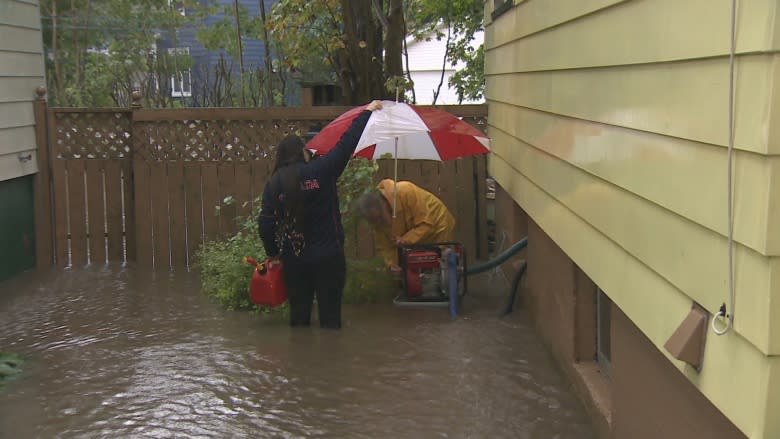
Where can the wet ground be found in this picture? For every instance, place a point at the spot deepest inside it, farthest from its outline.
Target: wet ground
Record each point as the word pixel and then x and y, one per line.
pixel 113 352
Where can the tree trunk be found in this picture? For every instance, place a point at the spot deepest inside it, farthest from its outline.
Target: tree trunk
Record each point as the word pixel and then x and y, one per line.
pixel 361 73
pixel 268 68
pixel 54 55
pixel 394 38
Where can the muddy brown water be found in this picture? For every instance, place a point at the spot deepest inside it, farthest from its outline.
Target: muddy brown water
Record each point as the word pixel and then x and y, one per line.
pixel 114 352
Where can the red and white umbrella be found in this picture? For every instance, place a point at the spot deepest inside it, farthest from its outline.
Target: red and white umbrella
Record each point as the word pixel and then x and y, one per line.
pixel 406 131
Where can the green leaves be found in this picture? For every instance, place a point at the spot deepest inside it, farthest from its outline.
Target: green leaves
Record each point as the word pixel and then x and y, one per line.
pixel 99 51
pixel 10 365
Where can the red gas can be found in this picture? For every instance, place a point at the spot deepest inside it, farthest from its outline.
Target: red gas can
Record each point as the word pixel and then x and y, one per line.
pixel 267 287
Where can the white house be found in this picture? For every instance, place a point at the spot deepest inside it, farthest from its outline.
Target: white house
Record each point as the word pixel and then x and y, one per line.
pixel 426 60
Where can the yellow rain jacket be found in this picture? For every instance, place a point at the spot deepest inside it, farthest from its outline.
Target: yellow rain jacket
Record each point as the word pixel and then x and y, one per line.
pixel 421 218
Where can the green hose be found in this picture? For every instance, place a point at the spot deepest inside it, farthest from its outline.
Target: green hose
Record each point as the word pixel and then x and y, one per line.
pixel 500 259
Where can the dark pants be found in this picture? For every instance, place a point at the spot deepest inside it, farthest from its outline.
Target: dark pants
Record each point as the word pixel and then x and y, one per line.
pixel 324 278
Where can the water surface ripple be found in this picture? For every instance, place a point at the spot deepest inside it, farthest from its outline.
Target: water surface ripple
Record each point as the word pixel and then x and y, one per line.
pixel 113 352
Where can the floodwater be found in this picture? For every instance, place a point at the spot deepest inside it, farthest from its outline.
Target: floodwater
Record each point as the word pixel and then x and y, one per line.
pixel 113 352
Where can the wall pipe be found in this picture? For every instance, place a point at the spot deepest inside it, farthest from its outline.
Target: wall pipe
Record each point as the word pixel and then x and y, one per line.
pixel 500 259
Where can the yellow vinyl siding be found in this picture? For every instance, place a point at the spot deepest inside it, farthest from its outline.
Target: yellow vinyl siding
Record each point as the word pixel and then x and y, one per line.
pixel 684 253
pixel 20 14
pixel 17 139
pixel 21 72
pixel 654 97
pixel 16 114
pixel 649 31
pixel 609 127
pixel 736 375
pixel 20 39
pixel 21 64
pixel 18 89
pixel 678 174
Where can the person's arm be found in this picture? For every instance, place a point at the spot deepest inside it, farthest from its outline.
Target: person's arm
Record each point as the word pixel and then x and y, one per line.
pixel 334 161
pixel 267 222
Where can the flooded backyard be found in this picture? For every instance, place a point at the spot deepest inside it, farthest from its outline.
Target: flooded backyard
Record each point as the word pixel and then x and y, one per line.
pixel 113 352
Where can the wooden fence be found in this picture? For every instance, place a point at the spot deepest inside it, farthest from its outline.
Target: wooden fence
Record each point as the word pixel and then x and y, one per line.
pixel 141 185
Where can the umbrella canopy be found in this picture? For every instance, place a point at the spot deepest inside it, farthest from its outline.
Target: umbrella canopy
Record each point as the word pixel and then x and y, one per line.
pixel 406 131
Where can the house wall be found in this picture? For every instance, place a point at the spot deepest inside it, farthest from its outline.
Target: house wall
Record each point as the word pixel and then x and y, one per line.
pixel 609 128
pixel 426 61
pixel 21 72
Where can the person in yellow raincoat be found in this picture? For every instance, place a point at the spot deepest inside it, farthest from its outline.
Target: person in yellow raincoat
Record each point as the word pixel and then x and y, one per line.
pixel 420 218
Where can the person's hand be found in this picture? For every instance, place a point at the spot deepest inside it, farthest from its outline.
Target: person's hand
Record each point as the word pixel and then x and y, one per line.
pixel 400 241
pixel 374 105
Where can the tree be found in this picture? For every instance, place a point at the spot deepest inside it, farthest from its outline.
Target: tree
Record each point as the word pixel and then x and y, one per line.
pixel 457 21
pixel 360 41
pixel 99 52
pixel 258 86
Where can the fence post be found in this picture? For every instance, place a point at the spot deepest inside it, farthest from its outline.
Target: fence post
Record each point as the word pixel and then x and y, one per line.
pixel 44 248
pixel 139 217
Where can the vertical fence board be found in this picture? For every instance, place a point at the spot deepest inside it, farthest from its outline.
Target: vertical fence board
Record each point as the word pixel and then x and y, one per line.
pixel 96 211
pixel 129 205
pixel 113 177
pixel 466 203
pixel 60 187
pixel 77 211
pixel 384 171
pixel 448 191
pixel 44 245
pixel 61 232
pixel 194 208
pixel 429 176
pixel 143 220
pixel 226 172
pixel 260 174
pixel 243 188
pixel 176 200
pixel 210 182
pixel 160 224
pixel 481 205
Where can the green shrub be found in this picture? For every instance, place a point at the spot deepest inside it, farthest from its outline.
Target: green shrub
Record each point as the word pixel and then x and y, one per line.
pixel 368 281
pixel 224 275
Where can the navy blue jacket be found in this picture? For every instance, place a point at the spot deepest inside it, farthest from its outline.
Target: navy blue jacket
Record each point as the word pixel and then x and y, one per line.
pixel 322 231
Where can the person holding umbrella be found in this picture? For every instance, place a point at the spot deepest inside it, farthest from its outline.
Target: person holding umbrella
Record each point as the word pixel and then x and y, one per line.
pixel 420 218
pixel 300 223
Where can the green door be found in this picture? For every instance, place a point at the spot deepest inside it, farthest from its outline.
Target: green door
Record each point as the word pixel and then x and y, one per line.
pixel 17 228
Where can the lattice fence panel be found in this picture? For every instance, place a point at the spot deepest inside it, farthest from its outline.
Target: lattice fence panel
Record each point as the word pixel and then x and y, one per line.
pixel 214 140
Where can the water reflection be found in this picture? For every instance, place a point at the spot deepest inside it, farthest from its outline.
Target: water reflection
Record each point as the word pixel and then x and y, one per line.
pixel 118 353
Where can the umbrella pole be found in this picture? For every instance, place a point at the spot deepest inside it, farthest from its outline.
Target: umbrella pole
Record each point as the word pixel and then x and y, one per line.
pixel 395 178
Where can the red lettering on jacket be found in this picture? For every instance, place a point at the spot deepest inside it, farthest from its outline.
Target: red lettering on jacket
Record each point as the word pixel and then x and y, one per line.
pixel 308 185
